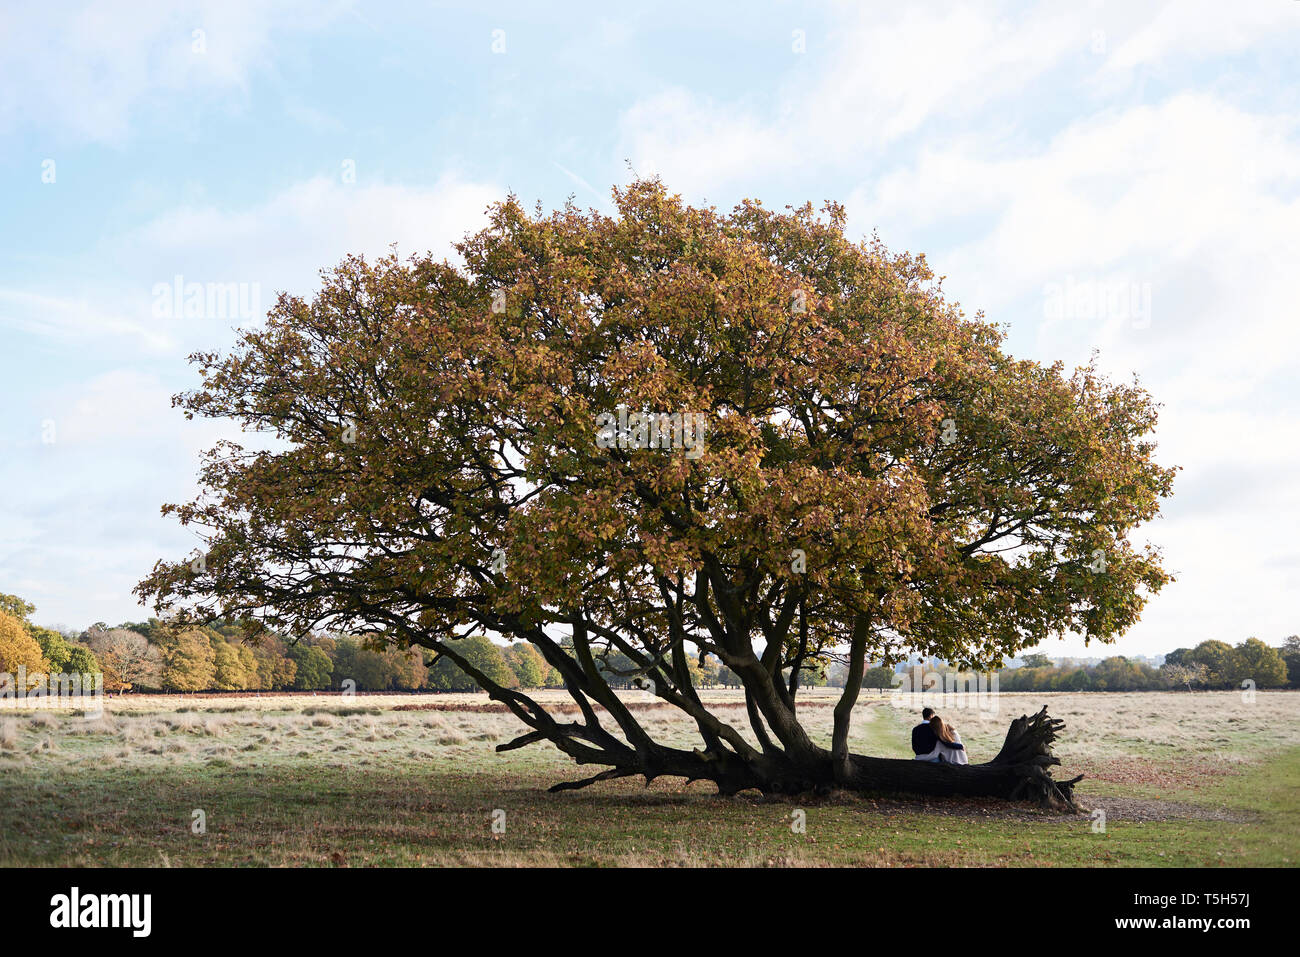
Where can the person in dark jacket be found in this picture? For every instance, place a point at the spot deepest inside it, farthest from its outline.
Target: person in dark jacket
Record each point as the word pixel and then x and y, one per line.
pixel 923 737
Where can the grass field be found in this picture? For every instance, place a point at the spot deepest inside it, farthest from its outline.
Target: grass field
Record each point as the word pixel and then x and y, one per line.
pixel 1183 779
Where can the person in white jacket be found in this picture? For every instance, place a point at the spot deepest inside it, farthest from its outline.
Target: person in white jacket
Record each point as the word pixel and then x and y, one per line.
pixel 948 747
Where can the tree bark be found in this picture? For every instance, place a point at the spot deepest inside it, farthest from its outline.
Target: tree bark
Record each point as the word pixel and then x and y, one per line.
pixel 1019 772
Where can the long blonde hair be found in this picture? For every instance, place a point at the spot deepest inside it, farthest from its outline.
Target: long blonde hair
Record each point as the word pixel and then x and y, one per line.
pixel 942 730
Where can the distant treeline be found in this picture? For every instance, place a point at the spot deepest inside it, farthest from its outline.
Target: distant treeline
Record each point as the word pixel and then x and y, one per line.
pixel 1210 665
pixel 153 656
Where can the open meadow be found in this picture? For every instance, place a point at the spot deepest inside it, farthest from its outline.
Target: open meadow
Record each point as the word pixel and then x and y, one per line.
pixel 1197 779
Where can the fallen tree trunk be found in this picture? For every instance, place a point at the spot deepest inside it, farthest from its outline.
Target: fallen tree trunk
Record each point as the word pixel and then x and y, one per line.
pixel 1019 772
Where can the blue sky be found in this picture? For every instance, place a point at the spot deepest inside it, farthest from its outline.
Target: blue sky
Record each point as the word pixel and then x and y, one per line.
pixel 1114 176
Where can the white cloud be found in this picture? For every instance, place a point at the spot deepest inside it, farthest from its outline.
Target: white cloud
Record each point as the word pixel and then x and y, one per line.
pixel 884 76
pixel 86 74
pixel 1001 140
pixel 81 510
pixel 1194 198
pixel 1183 29
pixel 68 320
pixel 948 69
pixel 283 242
pixel 280 244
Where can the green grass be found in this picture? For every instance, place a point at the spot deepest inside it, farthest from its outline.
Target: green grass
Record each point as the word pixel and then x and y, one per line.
pixel 368 786
pixel 323 815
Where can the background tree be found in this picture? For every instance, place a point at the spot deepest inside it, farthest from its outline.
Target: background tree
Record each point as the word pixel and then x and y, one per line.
pixel 434 420
pixel 314 667
pixel 1255 661
pixel 1216 656
pixel 355 662
pixel 1078 679
pixel 469 657
pixel 230 672
pixel 728 678
pixel 188 661
pixel 248 666
pixel 552 678
pixel 275 669
pixel 17 607
pixel 1291 656
pixel 812 674
pixel 879 677
pixel 81 660
pixel 127 658
pixel 18 648
pixel 1185 676
pixel 153 629
pixel 710 672
pixel 54 648
pixel 528 665
pixel 60 656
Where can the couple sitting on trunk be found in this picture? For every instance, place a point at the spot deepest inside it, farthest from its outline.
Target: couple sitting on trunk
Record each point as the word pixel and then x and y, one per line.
pixel 935 740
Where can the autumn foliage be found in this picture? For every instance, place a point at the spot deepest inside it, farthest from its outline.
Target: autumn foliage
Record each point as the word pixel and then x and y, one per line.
pixel 878 475
pixel 18 649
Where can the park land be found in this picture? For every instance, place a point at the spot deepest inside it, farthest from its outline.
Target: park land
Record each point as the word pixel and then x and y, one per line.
pixel 1199 779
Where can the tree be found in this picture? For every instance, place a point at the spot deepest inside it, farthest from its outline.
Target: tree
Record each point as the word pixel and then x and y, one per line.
pixel 710 675
pixel 1077 680
pixel 314 667
pixel 728 678
pixel 1252 660
pixel 54 648
pixel 528 665
pixel 188 661
pixel 18 649
pixel 81 660
pixel 407 670
pixel 364 666
pixel 1036 661
pixel 472 656
pixel 373 666
pixel 56 654
pixel 229 670
pixel 248 665
pixel 275 669
pixel 878 677
pixel 664 431
pixel 1216 656
pixel 16 607
pixel 1185 675
pixel 154 629
pixel 126 657
pixel 1291 655
pixel 1118 674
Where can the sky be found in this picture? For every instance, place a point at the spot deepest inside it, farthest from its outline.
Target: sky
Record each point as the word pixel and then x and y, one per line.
pixel 1119 177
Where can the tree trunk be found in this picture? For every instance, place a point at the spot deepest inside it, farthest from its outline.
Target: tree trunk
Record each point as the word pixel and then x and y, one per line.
pixel 1020 771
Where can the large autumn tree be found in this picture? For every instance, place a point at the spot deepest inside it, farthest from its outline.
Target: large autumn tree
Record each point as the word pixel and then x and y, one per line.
pixel 876 475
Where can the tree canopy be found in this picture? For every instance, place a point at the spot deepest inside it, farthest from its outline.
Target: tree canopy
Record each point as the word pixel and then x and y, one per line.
pixel 18 649
pixel 869 471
